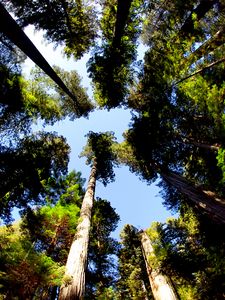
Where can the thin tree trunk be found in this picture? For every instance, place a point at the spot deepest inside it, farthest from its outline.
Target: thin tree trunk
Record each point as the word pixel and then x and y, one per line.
pixel 219 61
pixel 203 145
pixel 206 201
pixel 186 140
pixel 74 287
pixel 210 45
pixel 161 287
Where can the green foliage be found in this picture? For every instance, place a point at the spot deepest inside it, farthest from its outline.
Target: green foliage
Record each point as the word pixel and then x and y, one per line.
pixel 68 23
pixel 43 99
pixel 187 249
pixel 45 154
pixel 23 269
pixel 99 148
pixel 112 67
pixel 101 270
pixel 52 227
pixel 133 282
pixel 221 161
pixel 34 252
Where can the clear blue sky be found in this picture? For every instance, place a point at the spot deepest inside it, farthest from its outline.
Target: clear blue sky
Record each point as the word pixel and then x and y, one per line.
pixel 136 202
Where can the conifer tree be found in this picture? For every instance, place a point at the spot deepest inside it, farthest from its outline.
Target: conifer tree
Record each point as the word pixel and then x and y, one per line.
pixel 160 284
pixel 100 156
pixel 133 282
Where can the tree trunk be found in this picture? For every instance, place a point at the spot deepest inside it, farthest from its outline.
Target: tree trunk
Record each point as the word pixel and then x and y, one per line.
pixel 122 14
pixel 161 286
pixel 206 201
pixel 191 141
pixel 74 287
pixel 205 146
pixel 219 61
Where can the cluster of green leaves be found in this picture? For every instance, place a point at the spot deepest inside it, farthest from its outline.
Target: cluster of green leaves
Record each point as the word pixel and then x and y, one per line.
pixel 26 167
pixel 44 100
pixel 34 252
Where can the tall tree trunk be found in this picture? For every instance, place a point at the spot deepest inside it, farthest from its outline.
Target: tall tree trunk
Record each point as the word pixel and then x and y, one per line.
pixel 76 264
pixel 206 201
pixel 161 286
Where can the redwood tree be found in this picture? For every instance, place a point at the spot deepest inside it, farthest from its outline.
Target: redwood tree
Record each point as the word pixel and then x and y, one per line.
pixel 100 156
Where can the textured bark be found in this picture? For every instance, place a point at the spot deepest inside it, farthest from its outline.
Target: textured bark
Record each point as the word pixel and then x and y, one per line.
pixel 13 31
pixel 77 258
pixel 206 201
pixel 161 286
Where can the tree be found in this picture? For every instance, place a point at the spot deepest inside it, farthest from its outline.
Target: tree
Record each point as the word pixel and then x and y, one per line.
pixel 189 249
pixel 112 66
pixel 45 100
pixel 172 125
pixel 46 155
pixel 160 283
pixel 23 269
pixel 138 157
pixel 133 282
pixel 100 156
pixel 45 233
pixel 68 23
pixel 13 31
pixel 101 272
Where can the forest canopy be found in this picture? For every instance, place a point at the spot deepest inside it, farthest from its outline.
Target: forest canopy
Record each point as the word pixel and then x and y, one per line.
pixel 61 246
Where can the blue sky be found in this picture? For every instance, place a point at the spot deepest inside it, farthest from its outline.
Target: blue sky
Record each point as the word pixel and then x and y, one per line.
pixel 136 202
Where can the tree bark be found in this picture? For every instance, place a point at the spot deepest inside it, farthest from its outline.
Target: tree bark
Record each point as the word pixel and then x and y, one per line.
pixel 205 201
pixel 161 286
pixel 76 264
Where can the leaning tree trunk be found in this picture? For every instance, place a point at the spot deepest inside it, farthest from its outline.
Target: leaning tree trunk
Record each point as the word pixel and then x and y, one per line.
pixel 205 201
pixel 161 286
pixel 74 286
